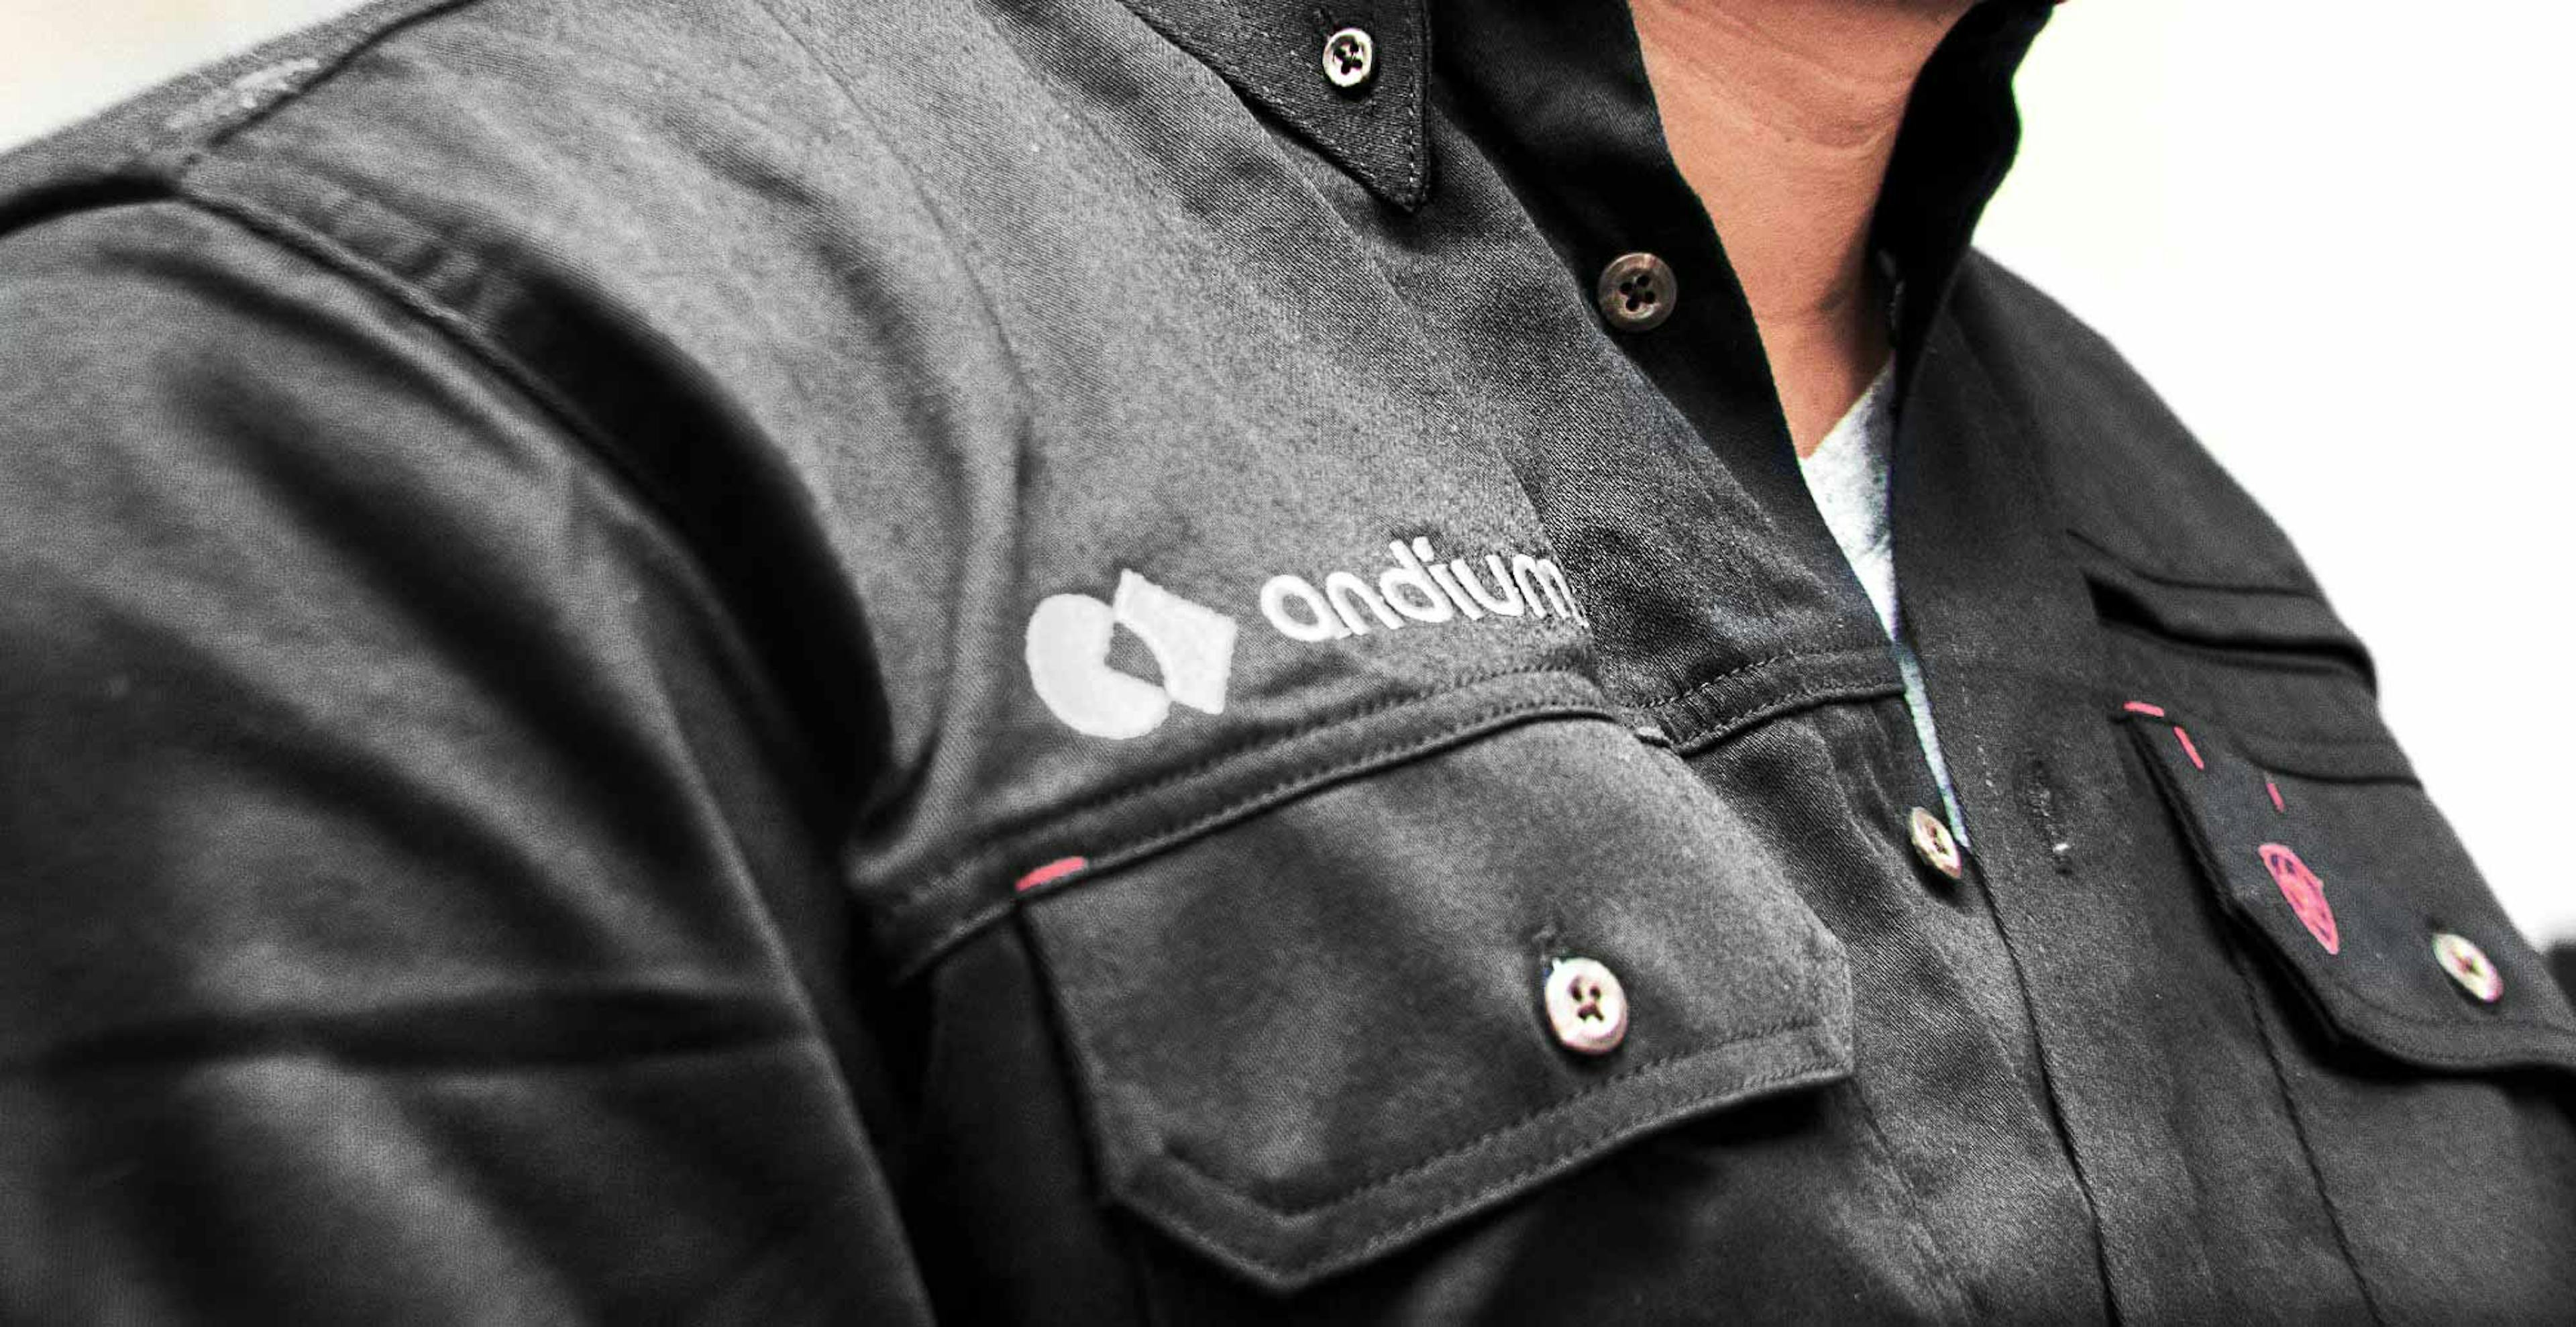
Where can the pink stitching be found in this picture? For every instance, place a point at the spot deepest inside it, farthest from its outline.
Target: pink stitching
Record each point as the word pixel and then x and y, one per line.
pixel 2275 790
pixel 2142 707
pixel 2189 750
pixel 1049 873
pixel 2304 891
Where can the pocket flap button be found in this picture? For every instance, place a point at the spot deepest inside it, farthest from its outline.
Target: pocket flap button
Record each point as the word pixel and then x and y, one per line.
pixel 1586 1006
pixel 2469 966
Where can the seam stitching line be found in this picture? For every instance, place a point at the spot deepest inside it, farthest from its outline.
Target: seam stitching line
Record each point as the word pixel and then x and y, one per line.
pixel 943 871
pixel 1170 836
pixel 1713 683
pixel 1553 1159
pixel 2263 1017
pixel 2183 582
pixel 1719 730
pixel 153 143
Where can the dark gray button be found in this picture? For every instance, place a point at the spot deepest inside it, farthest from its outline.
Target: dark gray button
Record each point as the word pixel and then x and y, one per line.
pixel 1636 292
pixel 1586 1006
pixel 1350 58
pixel 2469 966
pixel 1935 844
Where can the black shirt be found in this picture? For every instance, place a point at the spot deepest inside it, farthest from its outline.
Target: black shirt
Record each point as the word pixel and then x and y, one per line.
pixel 1020 662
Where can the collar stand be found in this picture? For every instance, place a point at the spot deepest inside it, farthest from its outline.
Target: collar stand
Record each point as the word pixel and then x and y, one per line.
pixel 1274 53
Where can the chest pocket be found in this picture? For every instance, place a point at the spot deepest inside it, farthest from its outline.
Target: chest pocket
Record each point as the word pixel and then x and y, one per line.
pixel 2255 713
pixel 2334 857
pixel 1352 1019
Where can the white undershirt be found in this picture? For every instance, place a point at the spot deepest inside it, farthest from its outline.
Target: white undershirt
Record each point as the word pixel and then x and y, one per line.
pixel 1847 474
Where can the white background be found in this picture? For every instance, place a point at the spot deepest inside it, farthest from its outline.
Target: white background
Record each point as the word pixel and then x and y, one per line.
pixel 2335 235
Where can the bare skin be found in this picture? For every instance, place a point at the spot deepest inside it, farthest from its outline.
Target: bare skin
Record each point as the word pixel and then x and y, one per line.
pixel 1782 115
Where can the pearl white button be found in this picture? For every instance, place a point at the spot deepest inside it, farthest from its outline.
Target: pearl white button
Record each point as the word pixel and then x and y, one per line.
pixel 1586 1006
pixel 2469 966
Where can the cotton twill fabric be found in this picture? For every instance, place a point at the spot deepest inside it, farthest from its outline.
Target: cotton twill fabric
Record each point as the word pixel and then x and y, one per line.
pixel 521 520
pixel 373 913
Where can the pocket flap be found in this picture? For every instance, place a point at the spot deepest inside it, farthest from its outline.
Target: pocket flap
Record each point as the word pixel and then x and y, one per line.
pixel 2354 881
pixel 1320 1034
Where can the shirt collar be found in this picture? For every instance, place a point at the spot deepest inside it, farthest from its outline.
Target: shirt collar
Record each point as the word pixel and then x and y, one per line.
pixel 1959 137
pixel 1273 53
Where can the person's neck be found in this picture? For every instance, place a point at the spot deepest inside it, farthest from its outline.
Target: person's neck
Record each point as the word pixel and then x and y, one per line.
pixel 1782 115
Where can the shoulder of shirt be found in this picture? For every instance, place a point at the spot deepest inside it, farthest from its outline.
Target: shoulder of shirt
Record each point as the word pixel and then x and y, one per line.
pixel 651 220
pixel 146 145
pixel 2135 485
pixel 388 75
pixel 477 158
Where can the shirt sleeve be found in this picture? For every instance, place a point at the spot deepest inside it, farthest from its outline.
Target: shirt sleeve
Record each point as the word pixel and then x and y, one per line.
pixel 411 897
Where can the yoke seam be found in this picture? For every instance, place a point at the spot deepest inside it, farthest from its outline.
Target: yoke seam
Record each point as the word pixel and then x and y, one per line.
pixel 222 130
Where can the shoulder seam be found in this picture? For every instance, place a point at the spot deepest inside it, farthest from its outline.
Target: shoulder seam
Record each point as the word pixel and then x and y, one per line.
pixel 180 120
pixel 180 140
pixel 357 269
pixel 550 407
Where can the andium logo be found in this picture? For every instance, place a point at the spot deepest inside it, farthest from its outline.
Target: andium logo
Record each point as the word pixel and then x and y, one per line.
pixel 1070 635
pixel 1068 654
pixel 1419 588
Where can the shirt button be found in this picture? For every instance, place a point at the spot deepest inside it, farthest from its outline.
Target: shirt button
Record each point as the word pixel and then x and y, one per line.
pixel 2469 966
pixel 1935 844
pixel 1636 292
pixel 1586 1006
pixel 1350 57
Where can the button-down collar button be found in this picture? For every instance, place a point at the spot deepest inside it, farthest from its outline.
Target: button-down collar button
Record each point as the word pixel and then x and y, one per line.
pixel 2469 966
pixel 1350 58
pixel 1636 292
pixel 1586 1006
pixel 1935 844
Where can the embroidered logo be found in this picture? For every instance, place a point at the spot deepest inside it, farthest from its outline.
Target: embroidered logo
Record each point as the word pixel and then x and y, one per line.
pixel 1192 645
pixel 2306 893
pixel 1068 655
